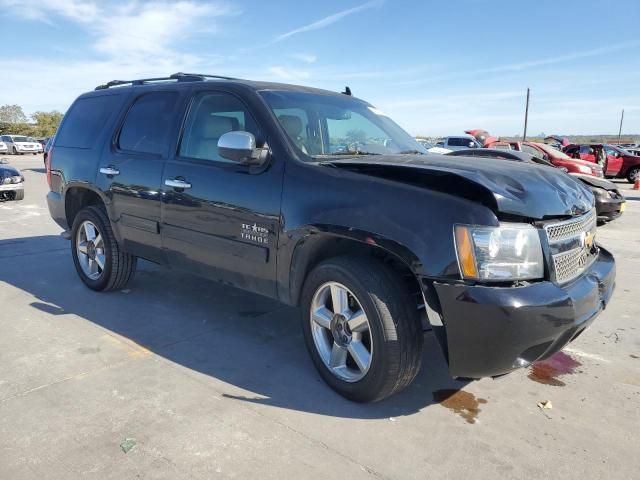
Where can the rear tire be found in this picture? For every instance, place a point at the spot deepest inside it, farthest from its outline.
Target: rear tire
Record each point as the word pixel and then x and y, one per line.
pixel 99 260
pixel 392 339
pixel 633 175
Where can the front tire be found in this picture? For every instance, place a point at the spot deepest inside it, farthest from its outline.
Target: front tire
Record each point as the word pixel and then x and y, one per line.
pixel 98 259
pixel 361 328
pixel 19 195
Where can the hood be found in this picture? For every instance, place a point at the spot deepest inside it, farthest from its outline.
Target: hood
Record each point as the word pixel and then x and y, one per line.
pixel 8 171
pixel 557 138
pixel 596 181
pixel 510 188
pixel 482 136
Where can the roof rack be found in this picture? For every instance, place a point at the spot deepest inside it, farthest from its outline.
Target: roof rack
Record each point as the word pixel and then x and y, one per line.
pixel 179 77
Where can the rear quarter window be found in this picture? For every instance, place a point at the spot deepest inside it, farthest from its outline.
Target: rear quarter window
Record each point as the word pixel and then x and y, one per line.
pixel 84 121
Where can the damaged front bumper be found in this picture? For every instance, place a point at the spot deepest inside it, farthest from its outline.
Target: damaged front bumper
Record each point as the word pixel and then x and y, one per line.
pixel 11 187
pixel 488 331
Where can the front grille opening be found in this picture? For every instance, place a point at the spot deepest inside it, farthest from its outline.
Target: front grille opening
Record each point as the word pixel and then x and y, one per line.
pixel 572 246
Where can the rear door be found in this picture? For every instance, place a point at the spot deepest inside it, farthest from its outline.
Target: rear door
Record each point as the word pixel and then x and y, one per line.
pixel 130 171
pixel 221 219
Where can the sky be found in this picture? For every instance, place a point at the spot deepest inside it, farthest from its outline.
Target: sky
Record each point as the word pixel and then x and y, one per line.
pixel 436 68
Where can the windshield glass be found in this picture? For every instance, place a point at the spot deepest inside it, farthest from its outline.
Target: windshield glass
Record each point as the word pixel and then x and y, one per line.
pixel 327 125
pixel 20 139
pixel 554 152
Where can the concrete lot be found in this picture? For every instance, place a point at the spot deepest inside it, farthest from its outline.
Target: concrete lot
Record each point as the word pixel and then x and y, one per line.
pixel 211 382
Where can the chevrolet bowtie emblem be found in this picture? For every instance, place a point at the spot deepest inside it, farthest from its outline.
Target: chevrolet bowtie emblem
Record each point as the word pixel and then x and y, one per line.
pixel 587 240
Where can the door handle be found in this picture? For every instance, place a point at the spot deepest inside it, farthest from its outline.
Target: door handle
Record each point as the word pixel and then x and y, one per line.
pixel 109 171
pixel 176 183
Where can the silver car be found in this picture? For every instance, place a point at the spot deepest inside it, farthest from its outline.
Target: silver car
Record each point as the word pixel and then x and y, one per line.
pixel 3 147
pixel 20 144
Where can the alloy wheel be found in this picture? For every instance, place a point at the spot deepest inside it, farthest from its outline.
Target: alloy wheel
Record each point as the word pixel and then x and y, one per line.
pixel 90 250
pixel 341 332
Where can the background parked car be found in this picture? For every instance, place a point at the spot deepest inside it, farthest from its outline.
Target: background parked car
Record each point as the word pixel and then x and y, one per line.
pixel 552 155
pixel 625 164
pixel 11 182
pixel 3 147
pixel 20 144
pixel 610 203
pixel 459 142
pixel 431 148
pixel 591 152
pixel 47 147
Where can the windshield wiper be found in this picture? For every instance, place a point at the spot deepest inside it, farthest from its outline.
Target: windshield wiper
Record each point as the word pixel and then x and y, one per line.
pixel 411 152
pixel 348 154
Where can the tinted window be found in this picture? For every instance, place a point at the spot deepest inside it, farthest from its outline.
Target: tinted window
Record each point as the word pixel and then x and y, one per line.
pixel 460 142
pixel 147 126
pixel 531 150
pixel 82 124
pixel 211 116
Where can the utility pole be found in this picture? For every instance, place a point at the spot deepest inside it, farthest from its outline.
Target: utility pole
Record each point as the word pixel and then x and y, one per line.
pixel 526 118
pixel 620 131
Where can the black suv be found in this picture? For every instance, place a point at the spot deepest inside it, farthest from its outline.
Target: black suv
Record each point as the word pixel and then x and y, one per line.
pixel 320 200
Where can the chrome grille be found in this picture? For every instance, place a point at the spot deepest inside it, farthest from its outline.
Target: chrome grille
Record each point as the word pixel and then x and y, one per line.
pixel 571 228
pixel 571 245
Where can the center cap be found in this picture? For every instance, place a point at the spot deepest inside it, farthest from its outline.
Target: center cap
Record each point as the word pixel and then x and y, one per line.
pixel 91 250
pixel 340 330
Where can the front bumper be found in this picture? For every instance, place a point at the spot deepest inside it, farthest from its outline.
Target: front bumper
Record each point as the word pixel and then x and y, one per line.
pixel 12 187
pixel 490 331
pixel 609 208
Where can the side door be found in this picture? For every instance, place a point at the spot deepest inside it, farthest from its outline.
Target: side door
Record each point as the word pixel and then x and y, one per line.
pixel 130 170
pixel 614 161
pixel 221 219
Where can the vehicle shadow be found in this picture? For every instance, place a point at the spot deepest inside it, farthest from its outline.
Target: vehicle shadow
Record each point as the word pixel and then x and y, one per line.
pixel 35 170
pixel 251 343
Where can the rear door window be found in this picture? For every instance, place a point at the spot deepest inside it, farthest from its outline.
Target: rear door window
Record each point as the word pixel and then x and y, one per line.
pixel 146 128
pixel 82 124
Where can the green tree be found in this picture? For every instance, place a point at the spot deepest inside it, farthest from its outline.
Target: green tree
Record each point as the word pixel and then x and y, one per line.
pixel 46 122
pixel 12 114
pixel 356 136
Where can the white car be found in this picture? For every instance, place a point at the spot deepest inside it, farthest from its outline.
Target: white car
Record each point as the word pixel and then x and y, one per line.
pixel 431 148
pixel 20 144
pixel 3 147
pixel 459 142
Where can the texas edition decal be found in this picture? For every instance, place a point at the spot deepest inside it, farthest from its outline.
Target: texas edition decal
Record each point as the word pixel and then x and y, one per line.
pixel 254 233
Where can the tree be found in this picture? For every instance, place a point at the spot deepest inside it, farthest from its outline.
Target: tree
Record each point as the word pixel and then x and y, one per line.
pixel 356 136
pixel 12 114
pixel 47 122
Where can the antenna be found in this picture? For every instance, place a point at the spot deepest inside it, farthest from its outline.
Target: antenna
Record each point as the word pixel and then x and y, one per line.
pixel 347 91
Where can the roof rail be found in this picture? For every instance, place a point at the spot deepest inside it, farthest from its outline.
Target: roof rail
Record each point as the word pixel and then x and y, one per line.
pixel 179 77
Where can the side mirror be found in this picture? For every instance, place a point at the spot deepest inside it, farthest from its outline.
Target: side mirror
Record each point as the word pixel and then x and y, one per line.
pixel 240 147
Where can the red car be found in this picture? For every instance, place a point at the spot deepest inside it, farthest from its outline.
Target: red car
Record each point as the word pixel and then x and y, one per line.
pixel 620 163
pixel 556 157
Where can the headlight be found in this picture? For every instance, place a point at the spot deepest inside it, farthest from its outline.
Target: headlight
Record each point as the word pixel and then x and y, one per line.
pixel 507 252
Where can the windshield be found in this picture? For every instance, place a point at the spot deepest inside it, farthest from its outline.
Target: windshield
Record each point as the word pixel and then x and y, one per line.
pixel 327 125
pixel 20 139
pixel 554 152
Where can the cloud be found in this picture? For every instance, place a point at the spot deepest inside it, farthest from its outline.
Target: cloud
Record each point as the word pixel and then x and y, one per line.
pixel 142 29
pixel 331 19
pixel 304 57
pixel 287 74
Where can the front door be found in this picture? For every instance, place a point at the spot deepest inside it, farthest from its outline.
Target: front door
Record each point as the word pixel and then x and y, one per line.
pixel 221 219
pixel 614 161
pixel 131 170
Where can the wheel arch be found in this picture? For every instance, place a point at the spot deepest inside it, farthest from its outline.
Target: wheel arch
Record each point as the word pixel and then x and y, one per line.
pixel 78 196
pixel 317 244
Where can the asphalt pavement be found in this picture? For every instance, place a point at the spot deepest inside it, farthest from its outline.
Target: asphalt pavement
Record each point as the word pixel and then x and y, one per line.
pixel 178 377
